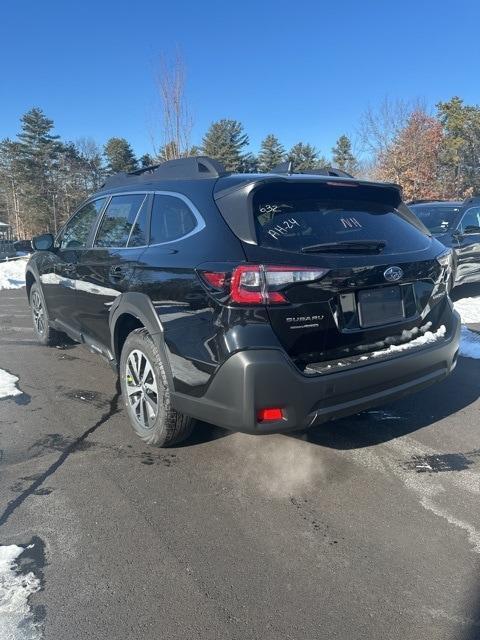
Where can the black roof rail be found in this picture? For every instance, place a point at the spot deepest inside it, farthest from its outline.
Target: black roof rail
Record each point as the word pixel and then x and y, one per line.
pixel 287 167
pixel 191 168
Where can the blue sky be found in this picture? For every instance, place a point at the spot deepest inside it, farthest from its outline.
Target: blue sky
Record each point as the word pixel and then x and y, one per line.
pixel 303 70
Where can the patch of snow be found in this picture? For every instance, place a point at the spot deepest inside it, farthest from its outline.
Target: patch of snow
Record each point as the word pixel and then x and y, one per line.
pixel 470 343
pixel 8 385
pixel 12 274
pixel 469 309
pixel 429 337
pixel 16 620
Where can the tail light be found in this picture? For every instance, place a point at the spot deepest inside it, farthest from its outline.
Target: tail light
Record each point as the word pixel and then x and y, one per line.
pixel 260 284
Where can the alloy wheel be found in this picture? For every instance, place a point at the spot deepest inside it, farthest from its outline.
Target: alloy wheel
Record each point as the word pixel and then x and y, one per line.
pixel 38 313
pixel 142 389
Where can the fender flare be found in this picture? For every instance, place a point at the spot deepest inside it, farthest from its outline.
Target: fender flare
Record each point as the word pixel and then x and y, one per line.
pixel 35 275
pixel 140 306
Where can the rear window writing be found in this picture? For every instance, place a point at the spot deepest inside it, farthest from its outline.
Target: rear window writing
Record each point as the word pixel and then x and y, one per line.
pixel 293 216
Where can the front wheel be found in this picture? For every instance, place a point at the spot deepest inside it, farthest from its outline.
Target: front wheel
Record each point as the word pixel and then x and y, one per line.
pixel 146 394
pixel 43 331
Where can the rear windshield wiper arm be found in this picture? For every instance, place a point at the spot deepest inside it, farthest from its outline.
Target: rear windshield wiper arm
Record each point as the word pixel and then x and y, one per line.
pixel 359 246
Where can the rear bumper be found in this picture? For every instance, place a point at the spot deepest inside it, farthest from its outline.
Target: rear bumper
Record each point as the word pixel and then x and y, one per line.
pixel 251 380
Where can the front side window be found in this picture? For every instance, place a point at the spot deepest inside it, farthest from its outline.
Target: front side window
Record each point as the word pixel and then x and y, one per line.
pixel 171 219
pixel 118 220
pixel 471 221
pixel 76 232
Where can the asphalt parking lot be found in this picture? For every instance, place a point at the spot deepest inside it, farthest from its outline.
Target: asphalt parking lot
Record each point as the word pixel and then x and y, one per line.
pixel 368 527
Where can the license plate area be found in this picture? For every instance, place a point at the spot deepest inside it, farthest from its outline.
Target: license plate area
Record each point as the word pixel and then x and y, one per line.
pixel 380 306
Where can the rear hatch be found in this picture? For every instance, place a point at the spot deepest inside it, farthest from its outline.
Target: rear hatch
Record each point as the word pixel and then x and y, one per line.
pixel 368 273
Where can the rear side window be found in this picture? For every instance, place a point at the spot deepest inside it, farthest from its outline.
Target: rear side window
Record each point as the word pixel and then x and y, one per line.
pixel 139 231
pixel 76 232
pixel 292 217
pixel 118 220
pixel 171 219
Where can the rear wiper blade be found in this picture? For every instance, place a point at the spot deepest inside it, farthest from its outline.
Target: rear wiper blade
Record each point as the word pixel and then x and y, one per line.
pixel 359 246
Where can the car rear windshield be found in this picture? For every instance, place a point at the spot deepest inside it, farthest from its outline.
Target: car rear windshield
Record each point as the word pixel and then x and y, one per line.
pixel 437 218
pixel 296 217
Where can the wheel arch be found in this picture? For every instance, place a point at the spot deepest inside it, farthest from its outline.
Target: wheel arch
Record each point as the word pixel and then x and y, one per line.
pixel 134 310
pixel 30 279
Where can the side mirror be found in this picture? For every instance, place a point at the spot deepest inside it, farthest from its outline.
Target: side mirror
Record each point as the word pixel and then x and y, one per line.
pixel 45 242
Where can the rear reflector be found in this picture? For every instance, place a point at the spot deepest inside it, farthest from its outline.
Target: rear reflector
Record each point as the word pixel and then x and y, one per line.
pixel 269 415
pixel 215 279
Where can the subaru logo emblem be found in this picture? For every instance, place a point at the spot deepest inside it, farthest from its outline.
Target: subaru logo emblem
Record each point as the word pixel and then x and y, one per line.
pixel 393 274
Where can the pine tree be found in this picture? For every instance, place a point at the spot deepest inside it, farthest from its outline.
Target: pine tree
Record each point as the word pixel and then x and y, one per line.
pixel 119 156
pixel 248 163
pixel 146 160
pixel 43 179
pixel 460 153
pixel 304 157
pixel 342 155
pixel 271 153
pixel 39 153
pixel 224 141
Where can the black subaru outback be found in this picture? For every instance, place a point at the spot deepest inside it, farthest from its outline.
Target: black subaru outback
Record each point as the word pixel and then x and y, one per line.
pixel 259 302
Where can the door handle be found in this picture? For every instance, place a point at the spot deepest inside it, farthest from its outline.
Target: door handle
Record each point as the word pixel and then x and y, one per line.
pixel 118 272
pixel 70 268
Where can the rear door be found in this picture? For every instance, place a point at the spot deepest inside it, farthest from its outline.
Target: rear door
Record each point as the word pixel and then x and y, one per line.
pixel 107 267
pixel 380 275
pixel 60 271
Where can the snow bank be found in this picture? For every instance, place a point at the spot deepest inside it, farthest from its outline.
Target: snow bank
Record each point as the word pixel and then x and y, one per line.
pixel 16 621
pixel 470 344
pixel 8 385
pixel 12 274
pixel 469 309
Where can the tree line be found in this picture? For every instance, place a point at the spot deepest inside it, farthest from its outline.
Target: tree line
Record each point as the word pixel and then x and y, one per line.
pixel 43 178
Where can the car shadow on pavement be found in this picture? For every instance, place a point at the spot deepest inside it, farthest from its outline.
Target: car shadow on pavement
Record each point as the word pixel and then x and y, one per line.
pixel 202 434
pixel 404 416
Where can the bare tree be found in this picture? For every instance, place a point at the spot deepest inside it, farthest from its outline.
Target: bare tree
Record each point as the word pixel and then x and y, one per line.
pixel 380 127
pixel 176 120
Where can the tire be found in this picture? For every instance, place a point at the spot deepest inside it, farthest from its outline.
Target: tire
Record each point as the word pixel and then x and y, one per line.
pixel 43 331
pixel 146 393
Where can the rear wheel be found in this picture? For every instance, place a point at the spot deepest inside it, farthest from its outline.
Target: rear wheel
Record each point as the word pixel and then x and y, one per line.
pixel 146 394
pixel 43 331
